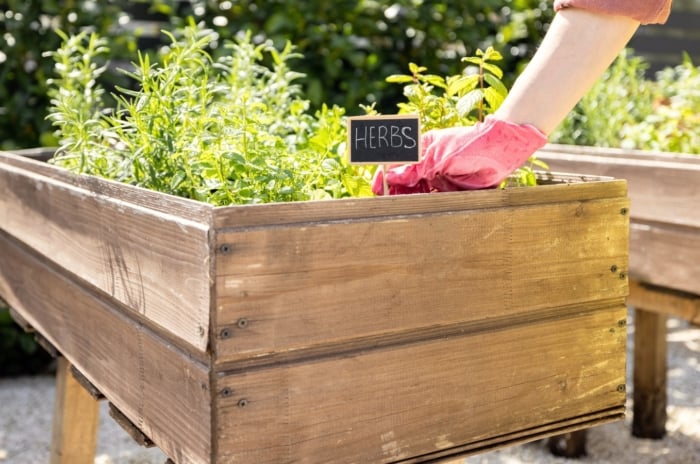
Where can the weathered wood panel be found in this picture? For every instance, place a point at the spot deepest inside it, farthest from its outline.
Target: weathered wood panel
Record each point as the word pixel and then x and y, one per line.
pixel 283 289
pixel 560 188
pixel 650 353
pixel 76 418
pixel 443 395
pixel 160 388
pixel 663 187
pixel 665 255
pixel 664 191
pixel 675 303
pixel 366 330
pixel 147 250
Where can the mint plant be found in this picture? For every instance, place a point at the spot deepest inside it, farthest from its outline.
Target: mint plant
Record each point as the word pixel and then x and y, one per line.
pixel 460 100
pixel 226 130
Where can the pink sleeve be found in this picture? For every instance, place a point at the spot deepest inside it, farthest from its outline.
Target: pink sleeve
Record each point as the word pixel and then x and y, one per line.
pixel 644 11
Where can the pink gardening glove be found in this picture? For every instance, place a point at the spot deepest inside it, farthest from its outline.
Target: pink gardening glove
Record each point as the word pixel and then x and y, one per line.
pixel 465 158
pixel 402 179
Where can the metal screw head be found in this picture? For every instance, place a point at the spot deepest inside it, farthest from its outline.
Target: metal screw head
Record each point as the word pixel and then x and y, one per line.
pixel 624 211
pixel 226 392
pixel 613 268
pixel 242 403
pixel 225 248
pixel 225 333
pixel 242 323
pixel 621 388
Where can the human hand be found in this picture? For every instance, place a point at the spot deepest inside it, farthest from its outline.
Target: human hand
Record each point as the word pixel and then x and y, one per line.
pixel 465 158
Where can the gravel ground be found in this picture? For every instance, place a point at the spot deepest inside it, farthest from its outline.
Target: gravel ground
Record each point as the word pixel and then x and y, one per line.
pixel 26 405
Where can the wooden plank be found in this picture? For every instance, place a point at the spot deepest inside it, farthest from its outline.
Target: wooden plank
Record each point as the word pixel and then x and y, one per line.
pixel 399 402
pixel 649 419
pixel 38 153
pixel 562 152
pixel 457 455
pixel 86 384
pixel 129 427
pixel 558 189
pixel 665 300
pixel 75 420
pixel 663 187
pixel 30 161
pixel 158 386
pixel 664 232
pixel 284 289
pixel 665 255
pixel 155 263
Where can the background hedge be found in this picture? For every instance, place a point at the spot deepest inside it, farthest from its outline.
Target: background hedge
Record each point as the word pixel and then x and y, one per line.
pixel 348 47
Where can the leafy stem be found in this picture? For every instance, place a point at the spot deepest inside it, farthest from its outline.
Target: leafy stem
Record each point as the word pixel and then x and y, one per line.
pixel 459 100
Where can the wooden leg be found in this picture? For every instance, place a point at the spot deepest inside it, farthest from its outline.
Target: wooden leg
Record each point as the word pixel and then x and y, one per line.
pixel 75 420
pixel 570 445
pixel 649 410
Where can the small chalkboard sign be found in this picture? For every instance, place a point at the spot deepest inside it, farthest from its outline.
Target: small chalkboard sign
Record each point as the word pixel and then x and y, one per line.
pixel 384 139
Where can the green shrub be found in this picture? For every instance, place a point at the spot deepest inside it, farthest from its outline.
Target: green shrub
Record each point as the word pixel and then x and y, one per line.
pixel 347 48
pixel 27 31
pixel 624 109
pixel 19 352
pixel 674 122
pixel 222 130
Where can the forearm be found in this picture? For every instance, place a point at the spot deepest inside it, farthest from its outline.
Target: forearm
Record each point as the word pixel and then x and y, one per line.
pixel 577 49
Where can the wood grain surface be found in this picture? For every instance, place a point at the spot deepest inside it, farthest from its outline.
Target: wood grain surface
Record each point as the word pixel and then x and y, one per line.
pixel 146 250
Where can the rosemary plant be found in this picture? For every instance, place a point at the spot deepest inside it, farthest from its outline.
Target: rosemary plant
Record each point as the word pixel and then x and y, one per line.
pixel 227 130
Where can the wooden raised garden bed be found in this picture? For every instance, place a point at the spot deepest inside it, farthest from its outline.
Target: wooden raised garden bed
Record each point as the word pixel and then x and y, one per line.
pixel 395 329
pixel 664 190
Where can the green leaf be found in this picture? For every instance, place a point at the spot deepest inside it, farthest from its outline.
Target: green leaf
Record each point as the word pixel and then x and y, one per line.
pixel 433 79
pixel 462 84
pixel 492 54
pixel 493 69
pixel 493 98
pixel 496 84
pixel 473 60
pixel 399 79
pixel 538 162
pixel 415 69
pixel 469 101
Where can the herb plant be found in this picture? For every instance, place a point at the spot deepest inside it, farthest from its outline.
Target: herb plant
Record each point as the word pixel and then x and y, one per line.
pixel 222 130
pixel 627 109
pixel 460 100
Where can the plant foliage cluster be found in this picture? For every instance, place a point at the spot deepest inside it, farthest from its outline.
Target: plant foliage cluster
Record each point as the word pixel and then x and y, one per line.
pixel 225 130
pixel 626 109
pixel 26 32
pixel 346 48
pixel 231 130
pixel 460 100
